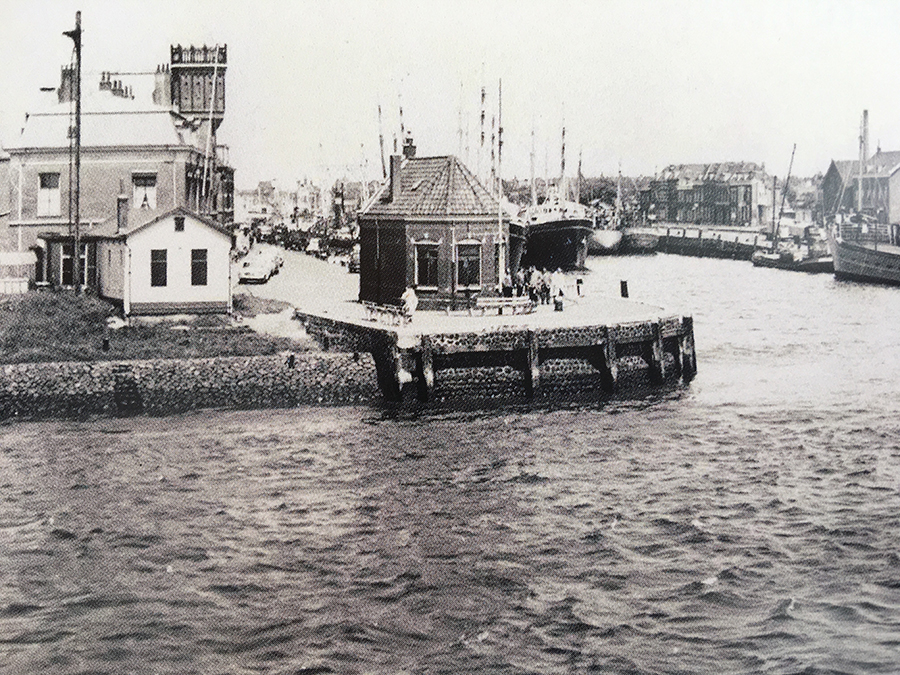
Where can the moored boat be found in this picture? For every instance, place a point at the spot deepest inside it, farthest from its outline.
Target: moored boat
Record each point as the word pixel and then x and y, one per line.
pixel 604 241
pixel 794 260
pixel 557 232
pixel 860 256
pixel 639 241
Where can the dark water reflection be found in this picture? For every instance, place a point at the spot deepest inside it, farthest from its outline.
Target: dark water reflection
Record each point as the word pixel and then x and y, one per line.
pixel 746 523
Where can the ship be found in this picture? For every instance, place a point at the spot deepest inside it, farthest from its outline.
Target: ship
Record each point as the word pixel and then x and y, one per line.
pixel 557 232
pixel 863 253
pixel 864 245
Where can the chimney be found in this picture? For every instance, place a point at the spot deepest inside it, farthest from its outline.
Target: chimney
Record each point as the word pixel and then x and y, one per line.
pixel 121 210
pixel 395 177
pixel 66 84
pixel 409 148
pixel 162 86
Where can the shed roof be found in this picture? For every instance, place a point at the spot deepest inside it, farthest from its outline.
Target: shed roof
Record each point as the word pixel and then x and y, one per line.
pixel 434 186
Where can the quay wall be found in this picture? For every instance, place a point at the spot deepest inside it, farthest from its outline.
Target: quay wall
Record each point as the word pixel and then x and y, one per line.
pixel 168 386
pixel 706 243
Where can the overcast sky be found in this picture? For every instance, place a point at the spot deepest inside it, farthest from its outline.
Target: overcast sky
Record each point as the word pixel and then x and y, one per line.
pixel 638 84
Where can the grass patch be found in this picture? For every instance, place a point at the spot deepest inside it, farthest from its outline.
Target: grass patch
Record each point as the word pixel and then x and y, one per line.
pixel 250 305
pixel 44 326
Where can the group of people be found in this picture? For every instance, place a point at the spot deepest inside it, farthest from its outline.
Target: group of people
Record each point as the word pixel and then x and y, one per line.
pixel 541 285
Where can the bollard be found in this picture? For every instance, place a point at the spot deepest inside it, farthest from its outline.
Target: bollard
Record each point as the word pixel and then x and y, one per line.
pixel 557 304
pixel 578 283
pixel 106 337
pixel 623 287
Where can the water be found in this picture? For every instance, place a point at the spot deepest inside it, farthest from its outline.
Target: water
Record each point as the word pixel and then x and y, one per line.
pixel 747 523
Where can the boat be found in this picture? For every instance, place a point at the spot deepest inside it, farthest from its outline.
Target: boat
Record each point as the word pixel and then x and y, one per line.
pixel 557 232
pixel 604 241
pixel 806 253
pixel 862 253
pixel 794 258
pixel 637 241
pixel 864 249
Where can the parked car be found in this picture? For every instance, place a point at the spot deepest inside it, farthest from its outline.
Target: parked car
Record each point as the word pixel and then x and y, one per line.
pixel 255 271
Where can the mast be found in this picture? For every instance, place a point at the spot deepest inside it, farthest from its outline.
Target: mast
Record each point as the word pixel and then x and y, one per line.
pixel 501 262
pixel 381 144
pixel 533 186
pixel 76 258
pixel 784 192
pixel 209 132
pixel 863 142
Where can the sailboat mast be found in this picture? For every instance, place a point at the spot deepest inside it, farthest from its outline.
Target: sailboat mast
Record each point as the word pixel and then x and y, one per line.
pixel 533 186
pixel 501 262
pixel 784 192
pixel 381 144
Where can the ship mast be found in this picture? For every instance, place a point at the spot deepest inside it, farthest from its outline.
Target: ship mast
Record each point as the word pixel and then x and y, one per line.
pixel 784 192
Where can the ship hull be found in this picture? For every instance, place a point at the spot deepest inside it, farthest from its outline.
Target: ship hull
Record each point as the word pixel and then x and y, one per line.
pixel 866 262
pixel 637 242
pixel 604 242
pixel 824 264
pixel 559 244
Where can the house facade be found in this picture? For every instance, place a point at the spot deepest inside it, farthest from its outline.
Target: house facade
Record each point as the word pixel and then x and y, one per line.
pixel 435 228
pixel 735 194
pixel 151 135
pixel 175 262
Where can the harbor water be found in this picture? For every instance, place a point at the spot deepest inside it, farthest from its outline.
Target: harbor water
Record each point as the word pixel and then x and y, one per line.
pixel 746 523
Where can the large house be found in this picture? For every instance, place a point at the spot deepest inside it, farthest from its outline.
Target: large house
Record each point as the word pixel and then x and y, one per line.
pixel 434 227
pixel 726 194
pixel 150 134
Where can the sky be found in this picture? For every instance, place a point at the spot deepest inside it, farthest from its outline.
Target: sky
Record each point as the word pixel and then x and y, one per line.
pixel 637 84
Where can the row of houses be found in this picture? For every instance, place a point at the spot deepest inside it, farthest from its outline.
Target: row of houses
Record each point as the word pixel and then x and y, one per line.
pixel 151 168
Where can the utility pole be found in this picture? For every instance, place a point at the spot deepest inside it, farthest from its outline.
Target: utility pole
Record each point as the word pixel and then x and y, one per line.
pixel 76 258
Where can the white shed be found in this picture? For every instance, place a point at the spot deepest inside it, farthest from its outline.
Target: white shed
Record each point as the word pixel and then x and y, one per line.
pixel 175 263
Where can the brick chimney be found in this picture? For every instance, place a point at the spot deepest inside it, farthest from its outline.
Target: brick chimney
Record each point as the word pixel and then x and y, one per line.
pixel 66 90
pixel 395 177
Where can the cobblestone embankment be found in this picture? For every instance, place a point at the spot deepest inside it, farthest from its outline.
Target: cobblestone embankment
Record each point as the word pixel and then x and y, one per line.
pixel 166 386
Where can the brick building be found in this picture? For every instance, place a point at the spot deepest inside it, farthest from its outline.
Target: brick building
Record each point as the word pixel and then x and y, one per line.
pixel 434 227
pixel 880 187
pixel 150 134
pixel 727 194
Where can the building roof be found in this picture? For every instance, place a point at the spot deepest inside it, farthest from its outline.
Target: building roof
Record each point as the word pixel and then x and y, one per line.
pixel 720 171
pixel 108 129
pixel 880 165
pixel 138 219
pixel 434 186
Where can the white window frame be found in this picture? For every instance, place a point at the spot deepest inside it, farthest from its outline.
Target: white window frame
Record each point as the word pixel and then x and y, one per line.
pixel 48 197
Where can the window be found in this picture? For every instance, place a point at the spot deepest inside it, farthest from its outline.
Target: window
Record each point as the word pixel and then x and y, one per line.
pixel 67 269
pixel 198 267
pixel 158 267
pixel 144 190
pixel 426 265
pixel 48 195
pixel 468 265
pixel 179 223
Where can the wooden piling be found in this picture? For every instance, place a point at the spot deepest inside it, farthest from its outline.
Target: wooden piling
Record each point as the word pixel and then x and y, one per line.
pixel 532 366
pixel 425 370
pixel 655 355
